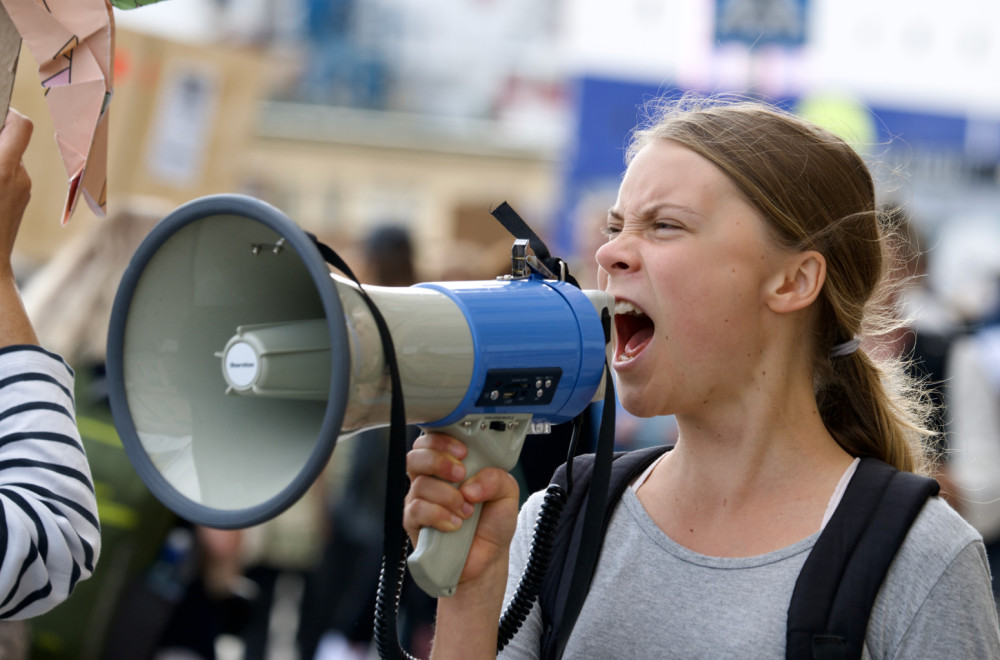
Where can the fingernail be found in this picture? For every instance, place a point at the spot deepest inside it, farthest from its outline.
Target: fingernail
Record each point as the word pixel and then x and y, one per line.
pixel 457 472
pixel 472 491
pixel 456 449
pixel 467 509
pixel 456 522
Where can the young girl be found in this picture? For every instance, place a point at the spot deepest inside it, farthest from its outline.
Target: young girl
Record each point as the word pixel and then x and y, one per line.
pixel 747 259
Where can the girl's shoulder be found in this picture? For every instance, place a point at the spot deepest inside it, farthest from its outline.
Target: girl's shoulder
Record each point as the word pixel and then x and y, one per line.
pixel 940 530
pixel 937 541
pixel 936 600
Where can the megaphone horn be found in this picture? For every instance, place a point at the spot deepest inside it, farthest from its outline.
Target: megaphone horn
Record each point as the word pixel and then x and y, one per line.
pixel 236 358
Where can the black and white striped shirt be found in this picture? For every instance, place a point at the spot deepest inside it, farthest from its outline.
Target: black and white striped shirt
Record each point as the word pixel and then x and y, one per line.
pixel 49 531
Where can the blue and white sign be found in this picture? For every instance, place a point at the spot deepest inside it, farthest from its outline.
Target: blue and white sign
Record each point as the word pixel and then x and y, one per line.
pixel 759 22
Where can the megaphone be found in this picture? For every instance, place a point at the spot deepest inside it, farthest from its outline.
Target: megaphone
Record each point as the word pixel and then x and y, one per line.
pixel 237 357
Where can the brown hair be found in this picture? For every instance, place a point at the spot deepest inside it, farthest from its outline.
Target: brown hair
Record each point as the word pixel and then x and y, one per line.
pixel 816 193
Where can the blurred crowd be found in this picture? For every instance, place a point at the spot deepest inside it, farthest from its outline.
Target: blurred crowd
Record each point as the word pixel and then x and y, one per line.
pixel 954 303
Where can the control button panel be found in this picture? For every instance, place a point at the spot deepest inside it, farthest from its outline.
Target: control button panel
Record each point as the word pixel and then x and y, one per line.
pixel 524 387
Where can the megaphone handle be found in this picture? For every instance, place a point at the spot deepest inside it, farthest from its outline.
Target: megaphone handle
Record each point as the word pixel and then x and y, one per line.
pixel 492 441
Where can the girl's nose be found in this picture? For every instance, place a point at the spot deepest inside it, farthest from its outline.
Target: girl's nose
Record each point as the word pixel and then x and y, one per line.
pixel 616 257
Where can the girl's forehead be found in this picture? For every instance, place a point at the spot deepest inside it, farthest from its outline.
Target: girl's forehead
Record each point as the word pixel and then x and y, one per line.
pixel 665 171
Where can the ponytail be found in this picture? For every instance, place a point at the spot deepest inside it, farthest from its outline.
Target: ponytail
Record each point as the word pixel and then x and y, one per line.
pixel 870 399
pixel 876 408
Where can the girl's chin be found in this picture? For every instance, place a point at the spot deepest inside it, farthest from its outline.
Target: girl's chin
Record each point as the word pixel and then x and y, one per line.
pixel 638 402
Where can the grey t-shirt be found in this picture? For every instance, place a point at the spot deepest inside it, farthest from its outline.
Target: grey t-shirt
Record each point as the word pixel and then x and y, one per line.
pixel 653 598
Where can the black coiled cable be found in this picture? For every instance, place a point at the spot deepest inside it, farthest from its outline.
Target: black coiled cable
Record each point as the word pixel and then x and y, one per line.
pixel 390 583
pixel 387 607
pixel 538 563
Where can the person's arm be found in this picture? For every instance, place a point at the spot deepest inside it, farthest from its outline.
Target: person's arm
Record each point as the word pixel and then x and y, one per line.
pixel 15 191
pixel 466 623
pixel 49 530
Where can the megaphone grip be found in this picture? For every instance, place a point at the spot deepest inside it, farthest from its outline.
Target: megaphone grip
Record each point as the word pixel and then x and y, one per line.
pixel 492 441
pixel 439 558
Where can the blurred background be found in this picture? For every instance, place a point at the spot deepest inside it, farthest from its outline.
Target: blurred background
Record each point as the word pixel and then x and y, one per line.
pixel 347 113
pixel 353 116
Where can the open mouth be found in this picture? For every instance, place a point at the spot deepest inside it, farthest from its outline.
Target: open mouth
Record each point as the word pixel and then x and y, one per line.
pixel 634 330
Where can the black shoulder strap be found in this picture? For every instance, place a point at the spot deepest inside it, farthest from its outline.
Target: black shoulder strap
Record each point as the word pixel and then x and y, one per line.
pixel 559 609
pixel 834 594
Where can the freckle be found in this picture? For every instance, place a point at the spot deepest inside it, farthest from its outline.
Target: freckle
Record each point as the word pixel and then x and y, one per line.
pixel 705 401
pixel 734 270
pixel 725 320
pixel 763 373
pixel 725 501
pixel 691 530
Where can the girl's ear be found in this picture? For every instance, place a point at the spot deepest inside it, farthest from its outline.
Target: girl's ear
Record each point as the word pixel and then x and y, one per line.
pixel 798 284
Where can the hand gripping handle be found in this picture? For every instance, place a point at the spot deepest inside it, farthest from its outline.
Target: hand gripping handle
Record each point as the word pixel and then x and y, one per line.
pixel 492 441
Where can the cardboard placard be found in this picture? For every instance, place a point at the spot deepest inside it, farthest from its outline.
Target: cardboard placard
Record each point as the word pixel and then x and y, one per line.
pixel 10 49
pixel 73 43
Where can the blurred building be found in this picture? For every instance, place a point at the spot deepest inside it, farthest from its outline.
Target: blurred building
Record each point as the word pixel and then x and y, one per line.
pixel 345 113
pixel 181 119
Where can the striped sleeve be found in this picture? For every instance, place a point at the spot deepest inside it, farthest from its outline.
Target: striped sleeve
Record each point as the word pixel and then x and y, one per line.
pixel 50 536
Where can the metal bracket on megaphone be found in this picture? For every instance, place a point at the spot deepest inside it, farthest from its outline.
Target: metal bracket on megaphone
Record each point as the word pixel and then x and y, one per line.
pixel 523 263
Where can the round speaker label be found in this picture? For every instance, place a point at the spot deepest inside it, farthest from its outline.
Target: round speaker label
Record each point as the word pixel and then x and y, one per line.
pixel 241 364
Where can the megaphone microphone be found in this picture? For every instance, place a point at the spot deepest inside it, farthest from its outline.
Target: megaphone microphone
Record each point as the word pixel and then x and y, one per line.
pixel 236 358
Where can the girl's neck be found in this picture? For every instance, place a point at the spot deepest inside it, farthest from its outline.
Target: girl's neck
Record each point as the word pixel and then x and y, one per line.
pixel 746 493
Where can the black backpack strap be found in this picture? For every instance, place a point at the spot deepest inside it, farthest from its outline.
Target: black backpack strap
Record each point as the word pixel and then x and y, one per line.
pixel 833 597
pixel 559 609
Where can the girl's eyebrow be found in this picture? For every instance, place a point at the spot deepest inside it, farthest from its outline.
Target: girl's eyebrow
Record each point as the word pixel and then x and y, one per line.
pixel 653 210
